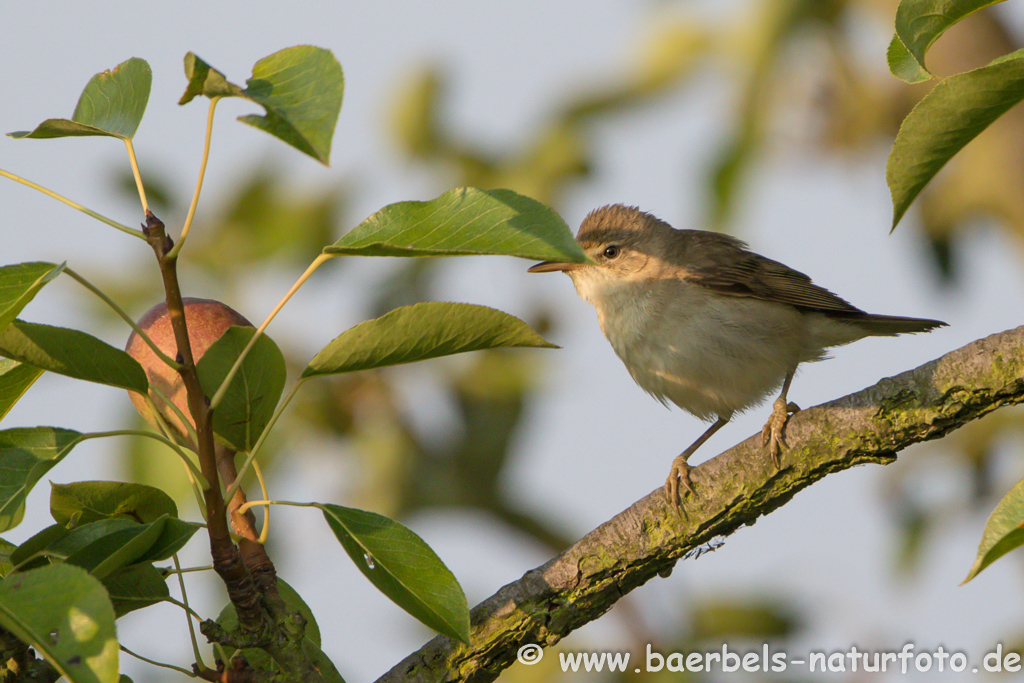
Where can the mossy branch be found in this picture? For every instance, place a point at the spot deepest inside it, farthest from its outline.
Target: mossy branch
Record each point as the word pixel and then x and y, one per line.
pixel 733 490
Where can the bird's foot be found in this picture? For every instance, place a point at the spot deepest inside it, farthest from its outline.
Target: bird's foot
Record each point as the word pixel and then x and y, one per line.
pixel 771 433
pixel 680 472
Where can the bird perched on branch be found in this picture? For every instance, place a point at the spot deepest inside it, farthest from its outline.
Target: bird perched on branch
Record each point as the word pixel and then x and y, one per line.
pixel 701 321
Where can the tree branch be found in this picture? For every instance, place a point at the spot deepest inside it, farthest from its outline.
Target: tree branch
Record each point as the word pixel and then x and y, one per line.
pixel 733 490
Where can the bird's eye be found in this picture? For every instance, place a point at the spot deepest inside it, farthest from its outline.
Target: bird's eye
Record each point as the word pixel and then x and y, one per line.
pixel 611 251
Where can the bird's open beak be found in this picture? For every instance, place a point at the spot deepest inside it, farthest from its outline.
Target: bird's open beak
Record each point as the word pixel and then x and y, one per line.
pixel 554 266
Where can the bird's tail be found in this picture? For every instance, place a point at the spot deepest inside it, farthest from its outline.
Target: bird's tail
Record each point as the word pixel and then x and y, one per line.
pixel 891 325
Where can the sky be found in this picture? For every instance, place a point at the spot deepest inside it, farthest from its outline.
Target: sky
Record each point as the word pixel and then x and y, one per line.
pixel 831 546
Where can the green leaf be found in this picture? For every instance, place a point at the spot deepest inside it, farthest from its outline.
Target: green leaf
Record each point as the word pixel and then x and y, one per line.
pixel 15 379
pixel 66 616
pixel 250 400
pixel 421 331
pixel 114 550
pixel 71 353
pixel 83 502
pixel 403 567
pixel 919 23
pixel 1004 530
pixel 19 283
pixel 955 111
pixel 261 661
pixel 203 79
pixel 300 88
pixel 26 454
pixel 135 587
pixel 6 565
pixel 31 553
pixel 173 537
pixel 112 104
pixel 464 221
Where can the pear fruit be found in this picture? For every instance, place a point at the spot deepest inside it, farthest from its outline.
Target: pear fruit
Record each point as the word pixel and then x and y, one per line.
pixel 207 320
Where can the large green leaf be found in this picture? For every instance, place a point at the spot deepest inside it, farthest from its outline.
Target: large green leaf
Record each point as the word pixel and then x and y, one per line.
pixel 66 616
pixel 6 565
pixel 464 221
pixel 919 23
pixel 112 104
pixel 300 88
pixel 403 567
pixel 955 111
pixel 135 587
pixel 424 330
pixel 15 379
pixel 26 454
pixel 1004 530
pixel 83 502
pixel 261 661
pixel 253 394
pixel 72 353
pixel 19 283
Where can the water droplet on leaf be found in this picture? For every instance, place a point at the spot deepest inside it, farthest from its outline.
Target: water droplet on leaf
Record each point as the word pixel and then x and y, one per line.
pixel 369 560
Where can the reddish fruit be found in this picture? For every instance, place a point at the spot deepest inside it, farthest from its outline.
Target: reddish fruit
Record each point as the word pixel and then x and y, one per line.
pixel 207 320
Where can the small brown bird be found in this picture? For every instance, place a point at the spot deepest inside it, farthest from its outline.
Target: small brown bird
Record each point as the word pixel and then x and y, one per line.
pixel 704 323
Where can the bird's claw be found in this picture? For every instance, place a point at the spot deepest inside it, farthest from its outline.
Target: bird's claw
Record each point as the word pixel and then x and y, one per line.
pixel 771 433
pixel 680 472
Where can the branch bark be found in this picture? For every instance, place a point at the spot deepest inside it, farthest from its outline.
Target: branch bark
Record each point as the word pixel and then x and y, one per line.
pixel 733 490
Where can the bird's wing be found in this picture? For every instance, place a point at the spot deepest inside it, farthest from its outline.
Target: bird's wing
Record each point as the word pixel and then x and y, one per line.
pixel 723 264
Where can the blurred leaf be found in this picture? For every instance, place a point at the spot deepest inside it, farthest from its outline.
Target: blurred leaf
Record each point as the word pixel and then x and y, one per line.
pixel 66 616
pixel 727 619
pixel 464 221
pixel 112 104
pixel 15 379
pixel 255 390
pixel 1004 530
pixel 26 454
pixel 919 23
pixel 403 567
pixel 83 502
pixel 261 661
pixel 71 353
pixel 300 88
pixel 955 111
pixel 19 283
pixel 422 331
pixel 135 587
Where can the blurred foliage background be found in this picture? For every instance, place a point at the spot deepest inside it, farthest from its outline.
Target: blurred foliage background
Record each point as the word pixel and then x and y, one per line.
pixel 803 81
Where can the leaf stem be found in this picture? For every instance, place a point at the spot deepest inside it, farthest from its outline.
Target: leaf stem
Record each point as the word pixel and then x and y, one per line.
pixel 156 437
pixel 190 674
pixel 222 389
pixel 199 181
pixel 124 316
pixel 290 503
pixel 251 455
pixel 188 617
pixel 74 205
pixel 135 172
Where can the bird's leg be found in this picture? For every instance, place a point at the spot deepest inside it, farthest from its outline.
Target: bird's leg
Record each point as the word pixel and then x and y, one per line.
pixel 771 434
pixel 681 469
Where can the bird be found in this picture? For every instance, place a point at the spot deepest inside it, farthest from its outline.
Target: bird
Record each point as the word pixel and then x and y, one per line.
pixel 702 322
